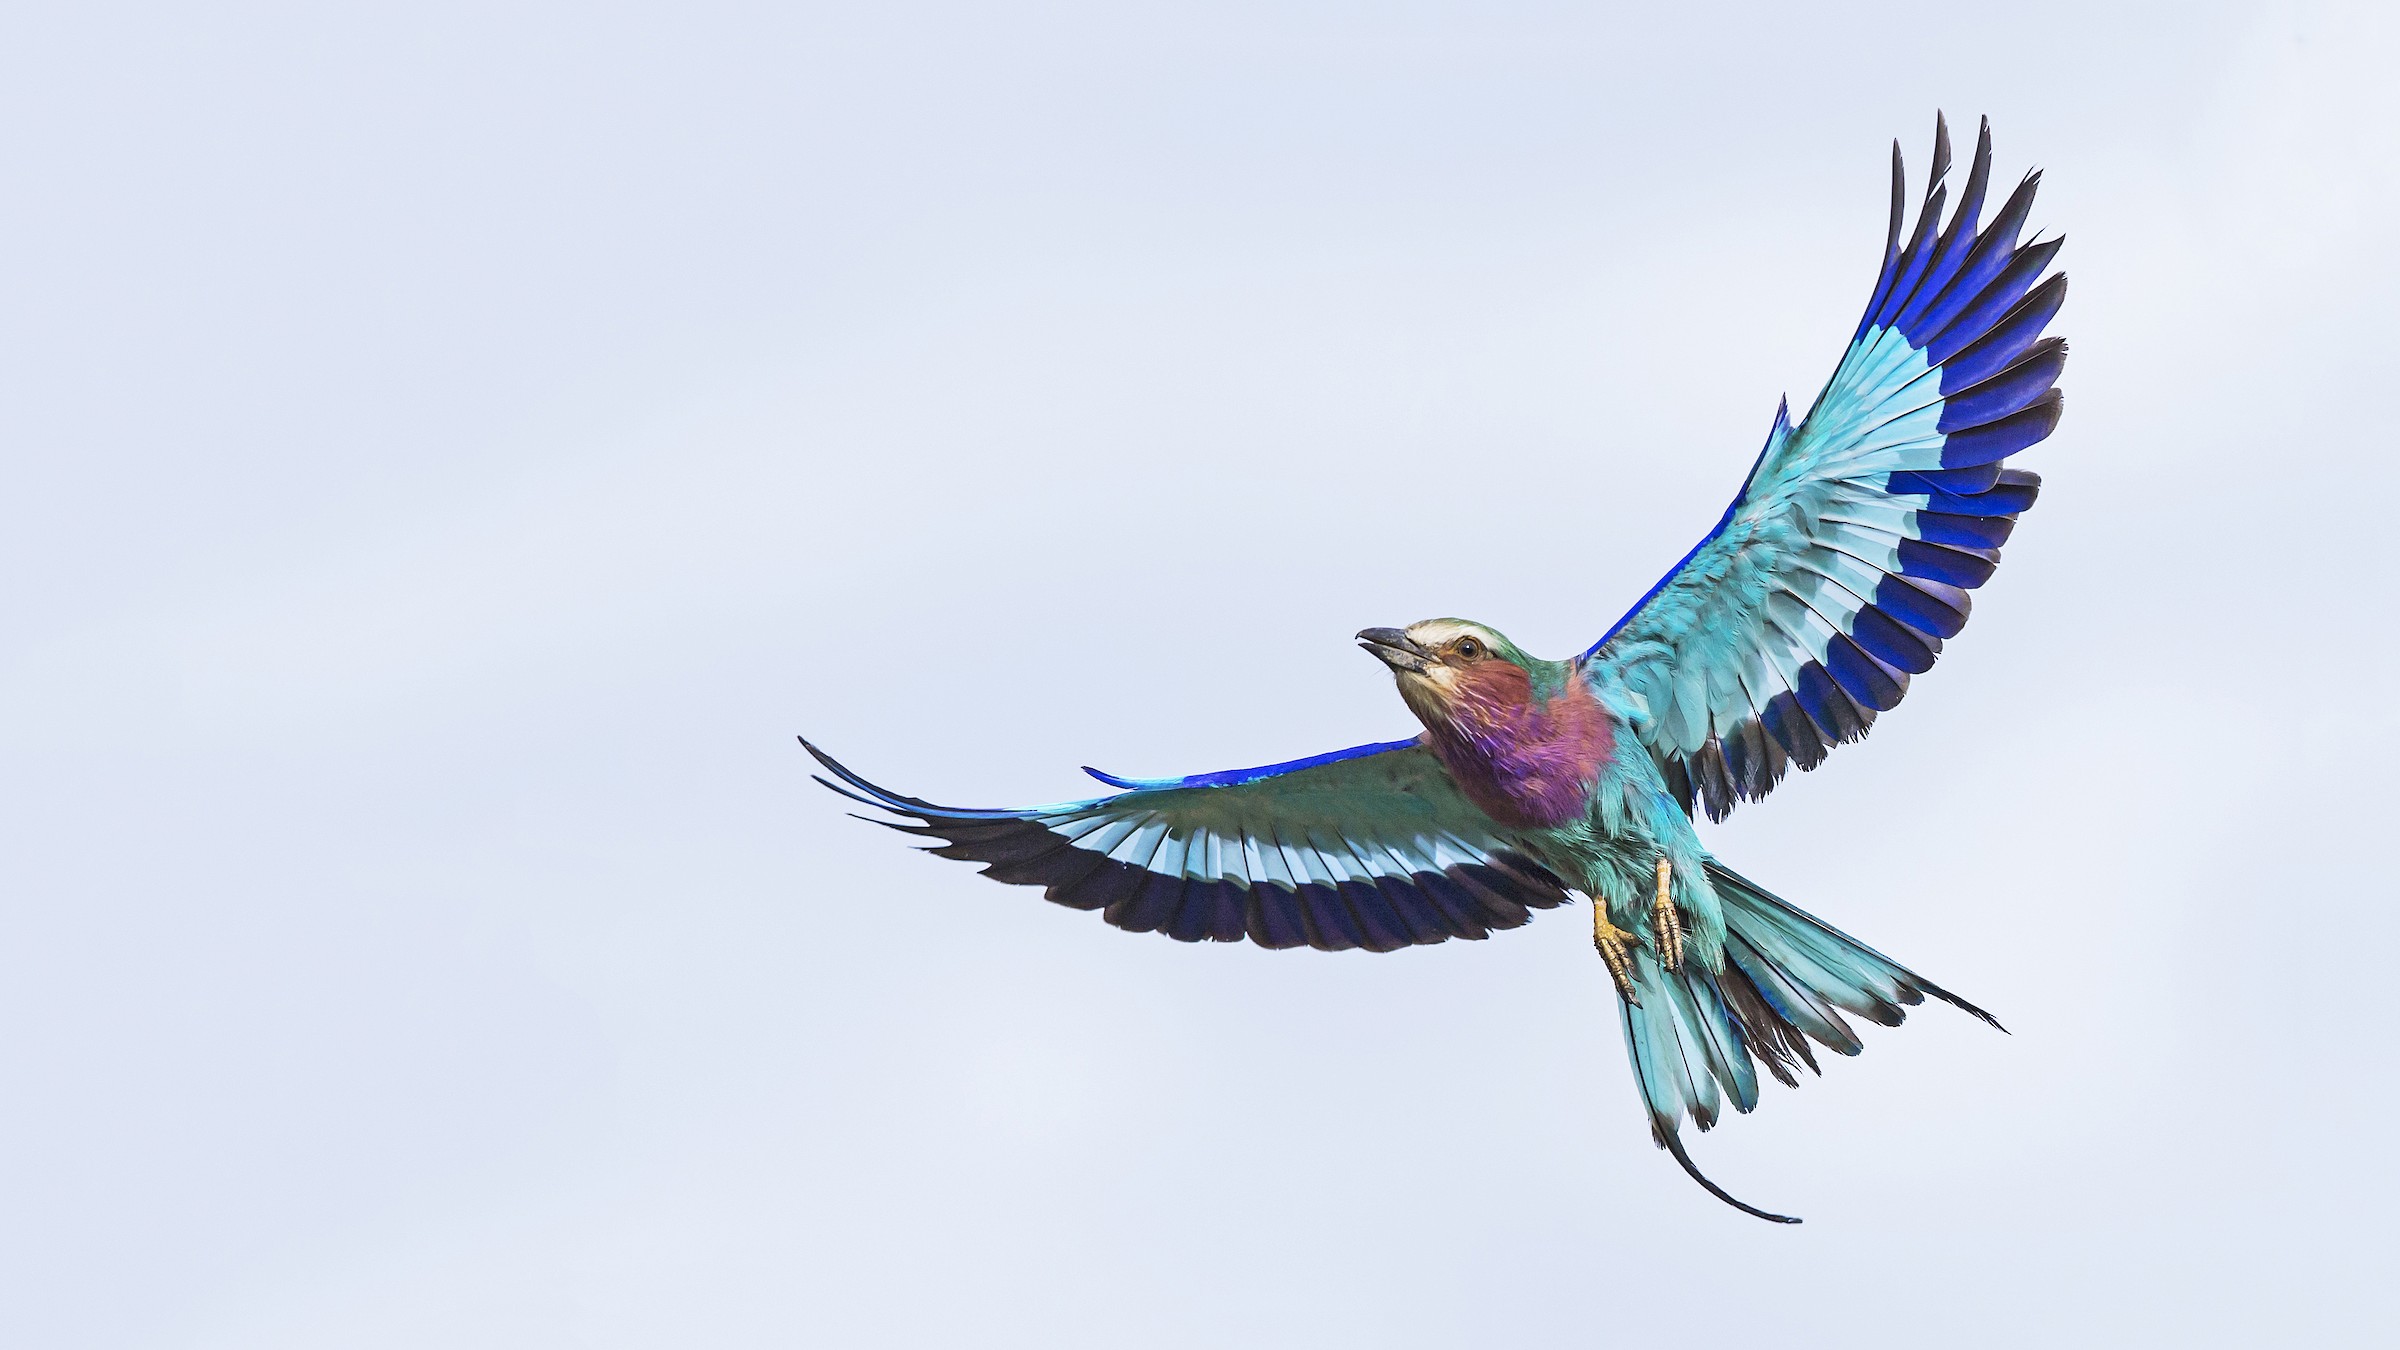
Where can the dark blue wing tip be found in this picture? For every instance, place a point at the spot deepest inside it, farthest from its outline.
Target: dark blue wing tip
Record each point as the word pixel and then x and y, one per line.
pixel 1128 784
pixel 887 800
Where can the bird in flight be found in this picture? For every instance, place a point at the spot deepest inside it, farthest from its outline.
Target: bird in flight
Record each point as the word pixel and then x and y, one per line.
pixel 1839 570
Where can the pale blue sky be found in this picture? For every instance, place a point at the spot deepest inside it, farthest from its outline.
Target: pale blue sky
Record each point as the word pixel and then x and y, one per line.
pixel 451 449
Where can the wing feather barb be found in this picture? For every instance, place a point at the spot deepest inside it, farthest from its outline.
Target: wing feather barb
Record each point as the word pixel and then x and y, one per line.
pixel 1844 563
pixel 1372 847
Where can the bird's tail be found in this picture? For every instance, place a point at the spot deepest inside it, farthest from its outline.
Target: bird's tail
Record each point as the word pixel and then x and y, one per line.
pixel 1697 1037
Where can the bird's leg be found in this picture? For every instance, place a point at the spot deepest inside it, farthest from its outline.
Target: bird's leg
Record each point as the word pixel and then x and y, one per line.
pixel 1613 943
pixel 1664 919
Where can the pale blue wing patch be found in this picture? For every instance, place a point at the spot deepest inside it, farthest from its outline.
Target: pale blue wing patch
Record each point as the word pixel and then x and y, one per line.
pixel 1844 562
pixel 1373 847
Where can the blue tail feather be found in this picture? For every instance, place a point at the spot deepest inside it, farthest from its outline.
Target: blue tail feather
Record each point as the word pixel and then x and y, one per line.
pixel 1696 1037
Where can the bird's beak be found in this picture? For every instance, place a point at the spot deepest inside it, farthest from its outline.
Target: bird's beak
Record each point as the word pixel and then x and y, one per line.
pixel 1394 648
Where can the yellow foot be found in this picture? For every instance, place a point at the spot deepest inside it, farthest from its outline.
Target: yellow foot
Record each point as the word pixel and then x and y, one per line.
pixel 1613 943
pixel 1665 921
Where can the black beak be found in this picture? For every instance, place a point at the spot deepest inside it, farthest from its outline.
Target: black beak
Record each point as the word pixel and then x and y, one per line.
pixel 1394 648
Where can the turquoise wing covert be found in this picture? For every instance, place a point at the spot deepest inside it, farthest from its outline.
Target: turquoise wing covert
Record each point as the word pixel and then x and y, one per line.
pixel 1369 847
pixel 1846 560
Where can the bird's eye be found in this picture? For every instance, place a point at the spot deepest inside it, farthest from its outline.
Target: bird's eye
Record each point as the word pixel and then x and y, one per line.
pixel 1469 648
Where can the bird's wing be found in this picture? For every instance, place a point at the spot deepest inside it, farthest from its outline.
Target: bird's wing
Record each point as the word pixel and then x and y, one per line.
pixel 1369 847
pixel 1845 561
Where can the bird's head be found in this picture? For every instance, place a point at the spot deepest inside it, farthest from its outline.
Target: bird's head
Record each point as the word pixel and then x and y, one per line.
pixel 1449 669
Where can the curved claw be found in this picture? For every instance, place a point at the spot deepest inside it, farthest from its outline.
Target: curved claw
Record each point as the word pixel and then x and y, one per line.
pixel 1615 947
pixel 1668 923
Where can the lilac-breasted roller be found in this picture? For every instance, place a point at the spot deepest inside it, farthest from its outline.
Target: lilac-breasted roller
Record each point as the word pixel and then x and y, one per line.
pixel 1837 573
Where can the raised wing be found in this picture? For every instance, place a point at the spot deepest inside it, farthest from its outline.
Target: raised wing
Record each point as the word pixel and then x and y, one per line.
pixel 1370 847
pixel 1846 559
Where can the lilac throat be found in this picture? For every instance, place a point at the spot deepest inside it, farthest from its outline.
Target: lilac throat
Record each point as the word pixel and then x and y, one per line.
pixel 1529 766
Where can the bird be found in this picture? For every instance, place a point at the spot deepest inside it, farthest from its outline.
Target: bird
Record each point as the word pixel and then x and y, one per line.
pixel 1841 567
